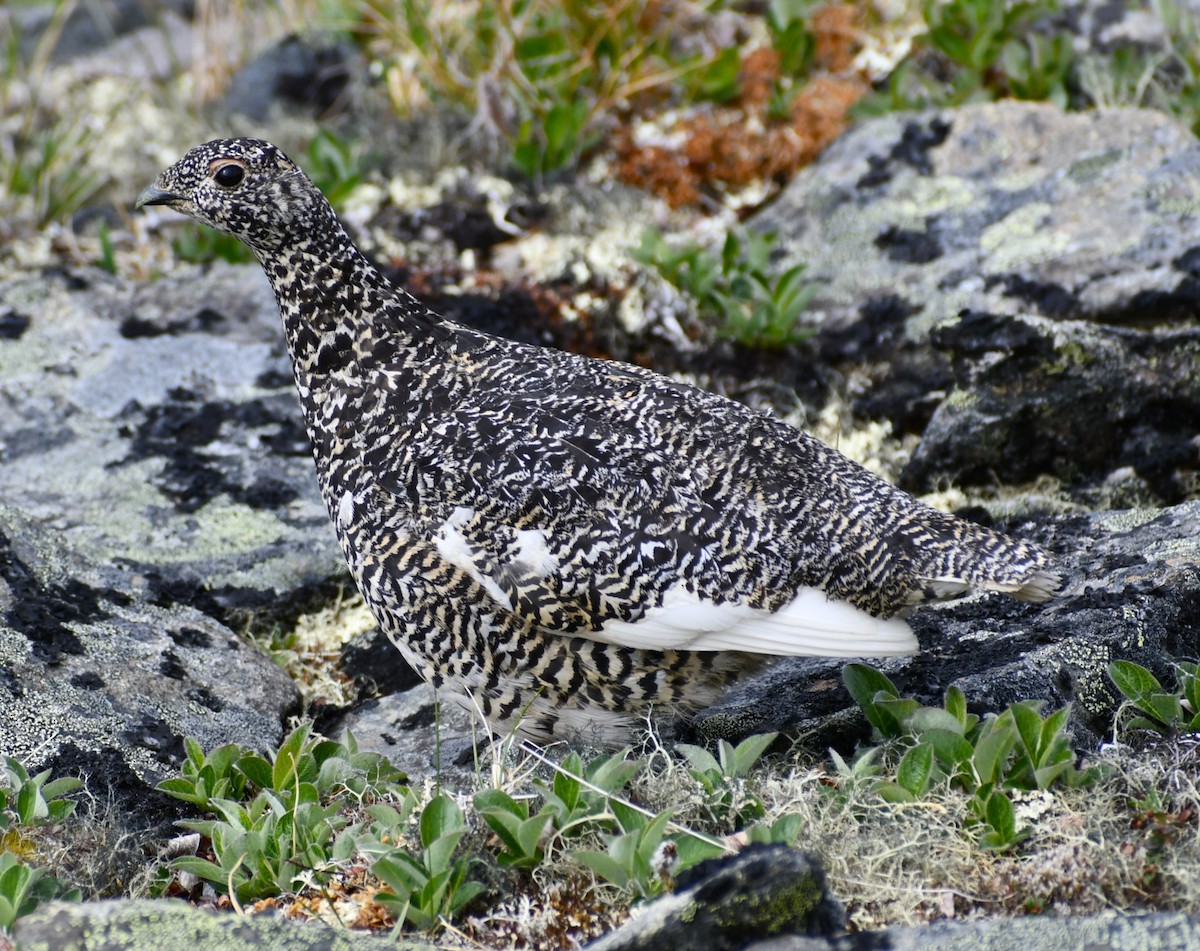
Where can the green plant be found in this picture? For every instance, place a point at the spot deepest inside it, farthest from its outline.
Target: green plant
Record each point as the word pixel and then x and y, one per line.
pixel 716 78
pixel 1160 710
pixel 27 802
pixel 546 76
pixel 752 307
pixel 640 858
pixel 199 245
pixel 33 800
pixel 577 798
pixel 268 846
pixel 234 772
pixel 521 835
pixel 280 822
pixel 207 777
pixel 45 158
pixel 783 830
pixel 723 778
pixel 433 887
pixel 574 802
pixel 1038 67
pixel 975 33
pixel 552 139
pixel 107 260
pixel 790 36
pixel 23 888
pixel 334 166
pixel 987 50
pixel 1015 750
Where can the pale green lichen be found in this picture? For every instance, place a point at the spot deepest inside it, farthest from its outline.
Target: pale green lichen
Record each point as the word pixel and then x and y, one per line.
pixel 1022 237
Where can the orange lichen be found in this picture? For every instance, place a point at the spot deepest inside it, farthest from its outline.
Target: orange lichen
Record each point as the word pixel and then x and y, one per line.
pixel 836 30
pixel 728 147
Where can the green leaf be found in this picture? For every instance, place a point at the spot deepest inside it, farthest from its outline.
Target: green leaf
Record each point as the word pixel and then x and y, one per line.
pixel 865 684
pixel 603 865
pixel 439 818
pixel 698 757
pixel 1133 680
pixel 748 753
pixel 690 851
pixel 915 769
pixel 256 769
pixel 628 818
pixel 1052 734
pixel 934 718
pixel 951 748
pixel 1164 707
pixel 1002 822
pixel 784 830
pixel 1029 727
pixel 992 750
pixel 894 792
pixel 956 706
pixel 203 868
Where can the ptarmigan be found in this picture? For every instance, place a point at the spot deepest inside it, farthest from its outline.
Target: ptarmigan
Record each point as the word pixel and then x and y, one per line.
pixel 566 543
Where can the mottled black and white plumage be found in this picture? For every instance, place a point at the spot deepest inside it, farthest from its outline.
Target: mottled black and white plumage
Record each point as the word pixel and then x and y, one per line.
pixel 568 542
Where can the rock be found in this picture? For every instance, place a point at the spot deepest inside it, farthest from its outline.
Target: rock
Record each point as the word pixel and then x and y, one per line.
pixel 99 677
pixel 413 730
pixel 909 220
pixel 1001 207
pixel 1022 385
pixel 155 428
pixel 89 26
pixel 162 492
pixel 1165 931
pixel 1131 590
pixel 118 925
pixel 305 73
pixel 367 661
pixel 725 904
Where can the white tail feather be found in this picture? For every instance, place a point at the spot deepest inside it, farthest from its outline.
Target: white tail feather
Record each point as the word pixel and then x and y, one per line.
pixel 812 625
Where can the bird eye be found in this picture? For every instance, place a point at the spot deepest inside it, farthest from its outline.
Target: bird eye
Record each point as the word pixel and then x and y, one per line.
pixel 227 176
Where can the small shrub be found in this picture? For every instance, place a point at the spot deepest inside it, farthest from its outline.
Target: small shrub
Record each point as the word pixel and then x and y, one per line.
pixel 1157 709
pixel 723 779
pixel 432 887
pixel 33 800
pixel 27 802
pixel 752 307
pixel 23 888
pixel 281 822
pixel 1018 749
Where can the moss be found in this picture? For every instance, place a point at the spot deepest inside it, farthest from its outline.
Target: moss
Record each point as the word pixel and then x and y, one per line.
pixel 961 400
pixel 779 910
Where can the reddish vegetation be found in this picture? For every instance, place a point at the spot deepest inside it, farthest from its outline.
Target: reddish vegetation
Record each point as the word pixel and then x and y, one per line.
pixel 734 145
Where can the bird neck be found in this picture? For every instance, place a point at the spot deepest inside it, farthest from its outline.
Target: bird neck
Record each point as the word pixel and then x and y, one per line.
pixel 332 300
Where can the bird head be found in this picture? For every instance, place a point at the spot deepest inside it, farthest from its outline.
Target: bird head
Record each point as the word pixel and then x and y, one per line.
pixel 244 187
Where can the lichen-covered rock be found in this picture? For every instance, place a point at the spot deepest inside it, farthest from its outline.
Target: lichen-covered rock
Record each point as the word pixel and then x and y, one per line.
pixel 908 221
pixel 100 677
pixel 727 903
pixel 1001 207
pixel 1072 399
pixel 161 433
pixel 1166 931
pixel 136 925
pixel 161 492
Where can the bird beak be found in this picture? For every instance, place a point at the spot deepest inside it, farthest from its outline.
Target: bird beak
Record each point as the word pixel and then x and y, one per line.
pixel 155 196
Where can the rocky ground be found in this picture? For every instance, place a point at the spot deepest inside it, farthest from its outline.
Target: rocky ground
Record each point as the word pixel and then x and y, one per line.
pixel 1005 323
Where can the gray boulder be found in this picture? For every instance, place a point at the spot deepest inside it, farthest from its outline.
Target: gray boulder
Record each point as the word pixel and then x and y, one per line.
pixel 136 925
pixel 99 677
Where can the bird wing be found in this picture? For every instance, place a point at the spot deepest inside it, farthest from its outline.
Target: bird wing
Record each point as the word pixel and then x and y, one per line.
pixel 571 507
